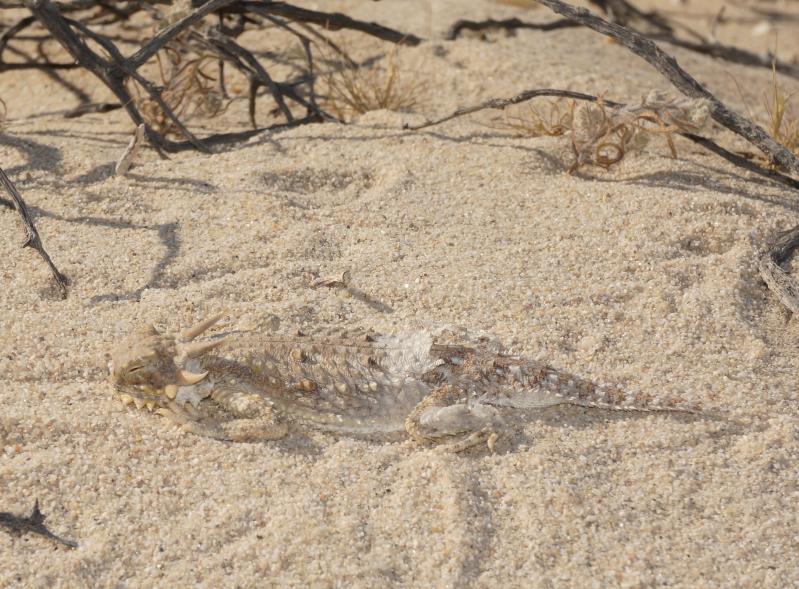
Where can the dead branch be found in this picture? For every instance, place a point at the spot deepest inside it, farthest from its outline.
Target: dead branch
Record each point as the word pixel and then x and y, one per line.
pixel 731 54
pixel 778 280
pixel 33 240
pixel 742 162
pixel 625 14
pixel 683 81
pixel 334 21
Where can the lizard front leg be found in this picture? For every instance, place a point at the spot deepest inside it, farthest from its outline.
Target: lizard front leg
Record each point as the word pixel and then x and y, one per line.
pixel 446 416
pixel 253 419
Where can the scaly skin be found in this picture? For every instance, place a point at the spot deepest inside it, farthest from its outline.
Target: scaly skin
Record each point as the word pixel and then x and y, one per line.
pixel 435 393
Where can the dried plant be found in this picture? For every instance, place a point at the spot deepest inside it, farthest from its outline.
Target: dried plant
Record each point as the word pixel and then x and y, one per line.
pixel 3 114
pixel 189 75
pixel 602 136
pixel 783 123
pixel 189 86
pixel 535 123
pixel 354 90
pixel 189 90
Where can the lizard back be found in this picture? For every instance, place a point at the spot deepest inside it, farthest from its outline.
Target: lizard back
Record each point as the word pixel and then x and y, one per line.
pixel 354 387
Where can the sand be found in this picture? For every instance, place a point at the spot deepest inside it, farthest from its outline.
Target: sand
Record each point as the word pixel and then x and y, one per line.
pixel 642 275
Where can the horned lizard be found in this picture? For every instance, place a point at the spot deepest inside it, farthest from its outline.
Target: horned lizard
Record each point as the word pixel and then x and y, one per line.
pixel 259 386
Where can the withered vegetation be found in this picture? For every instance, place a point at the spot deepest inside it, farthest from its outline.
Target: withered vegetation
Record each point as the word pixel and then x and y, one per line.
pixel 183 52
pixel 172 65
pixel 783 122
pixel 602 135
pixel 354 89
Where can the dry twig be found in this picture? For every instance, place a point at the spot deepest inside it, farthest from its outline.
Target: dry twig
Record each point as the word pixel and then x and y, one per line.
pixel 124 163
pixel 510 25
pixel 33 240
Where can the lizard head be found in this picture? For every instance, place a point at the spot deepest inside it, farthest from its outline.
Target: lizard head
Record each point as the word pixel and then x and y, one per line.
pixel 148 368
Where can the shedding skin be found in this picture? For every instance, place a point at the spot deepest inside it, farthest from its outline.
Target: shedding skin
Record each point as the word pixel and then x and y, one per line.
pixel 254 389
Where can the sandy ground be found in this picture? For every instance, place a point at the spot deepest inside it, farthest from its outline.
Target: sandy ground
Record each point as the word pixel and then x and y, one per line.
pixel 642 276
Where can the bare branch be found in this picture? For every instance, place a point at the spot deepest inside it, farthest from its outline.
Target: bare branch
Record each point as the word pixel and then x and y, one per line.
pixel 214 41
pixel 164 36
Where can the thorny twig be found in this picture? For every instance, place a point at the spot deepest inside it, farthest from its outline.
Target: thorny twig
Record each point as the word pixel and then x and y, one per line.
pixel 502 103
pixel 33 524
pixel 33 240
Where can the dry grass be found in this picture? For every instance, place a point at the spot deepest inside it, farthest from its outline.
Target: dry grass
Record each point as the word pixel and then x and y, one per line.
pixel 355 90
pixel 189 78
pixel 3 114
pixel 534 122
pixel 783 122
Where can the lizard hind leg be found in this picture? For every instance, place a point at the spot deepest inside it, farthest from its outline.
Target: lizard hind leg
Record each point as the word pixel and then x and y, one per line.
pixel 446 416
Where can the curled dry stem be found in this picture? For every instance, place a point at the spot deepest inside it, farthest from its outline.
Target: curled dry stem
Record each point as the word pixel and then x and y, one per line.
pixel 602 133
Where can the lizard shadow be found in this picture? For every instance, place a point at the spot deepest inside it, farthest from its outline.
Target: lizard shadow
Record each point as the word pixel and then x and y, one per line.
pixel 313 442
pixel 520 421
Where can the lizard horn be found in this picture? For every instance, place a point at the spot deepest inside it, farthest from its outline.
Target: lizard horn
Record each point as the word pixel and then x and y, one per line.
pixel 184 377
pixel 195 330
pixel 198 349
